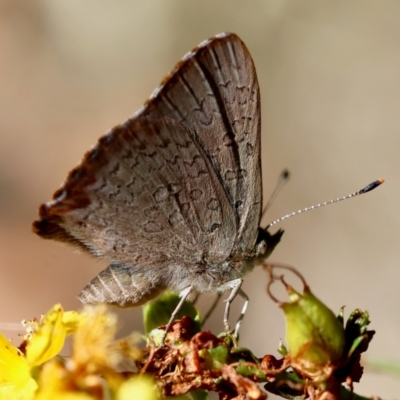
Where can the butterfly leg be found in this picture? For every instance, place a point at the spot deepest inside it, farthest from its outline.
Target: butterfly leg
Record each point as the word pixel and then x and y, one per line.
pixel 235 291
pixel 184 295
pixel 244 296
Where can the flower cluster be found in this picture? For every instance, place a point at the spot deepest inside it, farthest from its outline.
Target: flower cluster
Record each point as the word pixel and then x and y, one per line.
pixel 34 370
pixel 322 353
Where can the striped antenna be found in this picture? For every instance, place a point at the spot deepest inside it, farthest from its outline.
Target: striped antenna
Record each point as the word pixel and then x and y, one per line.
pixel 368 188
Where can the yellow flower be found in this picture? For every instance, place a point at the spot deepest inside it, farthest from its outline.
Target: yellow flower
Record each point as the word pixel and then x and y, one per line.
pixel 15 378
pixel 95 352
pixel 92 341
pixel 57 382
pixel 92 371
pixel 44 341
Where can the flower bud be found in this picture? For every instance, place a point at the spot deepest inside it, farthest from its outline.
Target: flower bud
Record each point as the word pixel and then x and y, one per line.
pixel 314 335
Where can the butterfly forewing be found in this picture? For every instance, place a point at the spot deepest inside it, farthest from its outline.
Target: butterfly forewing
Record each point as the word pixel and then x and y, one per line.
pixel 215 92
pixel 176 188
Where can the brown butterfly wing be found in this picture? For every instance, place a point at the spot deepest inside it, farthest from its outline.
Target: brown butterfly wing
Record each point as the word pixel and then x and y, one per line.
pixel 146 194
pixel 178 183
pixel 214 91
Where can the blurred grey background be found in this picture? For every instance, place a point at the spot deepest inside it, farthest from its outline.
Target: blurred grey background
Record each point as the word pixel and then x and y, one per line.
pixel 329 73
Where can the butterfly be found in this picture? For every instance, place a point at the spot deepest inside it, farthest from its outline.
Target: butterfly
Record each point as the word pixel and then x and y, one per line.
pixel 172 198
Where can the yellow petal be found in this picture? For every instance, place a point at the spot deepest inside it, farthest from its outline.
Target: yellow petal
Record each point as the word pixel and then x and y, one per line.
pixel 57 383
pixel 48 339
pixel 140 387
pixel 15 379
pixel 92 341
pixel 72 321
pixel 64 396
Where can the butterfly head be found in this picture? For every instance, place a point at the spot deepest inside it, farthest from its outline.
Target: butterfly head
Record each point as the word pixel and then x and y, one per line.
pixel 266 242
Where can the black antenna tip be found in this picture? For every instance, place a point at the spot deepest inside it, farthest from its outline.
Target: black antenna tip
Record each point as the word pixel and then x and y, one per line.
pixel 285 174
pixel 372 186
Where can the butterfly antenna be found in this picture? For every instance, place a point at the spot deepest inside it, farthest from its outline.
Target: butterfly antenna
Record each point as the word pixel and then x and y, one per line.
pixel 283 178
pixel 365 189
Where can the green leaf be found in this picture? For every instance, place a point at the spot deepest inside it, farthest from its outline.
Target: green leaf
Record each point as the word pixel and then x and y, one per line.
pixel 246 370
pixel 158 312
pixel 214 358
